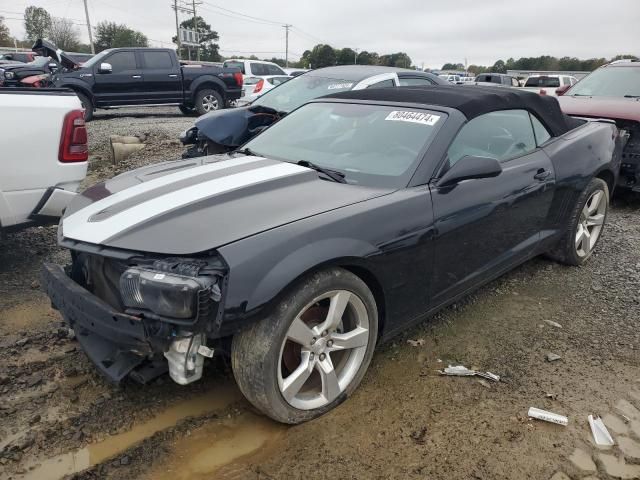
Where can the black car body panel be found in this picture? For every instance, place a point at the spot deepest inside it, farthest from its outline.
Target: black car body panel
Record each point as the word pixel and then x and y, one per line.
pixel 418 248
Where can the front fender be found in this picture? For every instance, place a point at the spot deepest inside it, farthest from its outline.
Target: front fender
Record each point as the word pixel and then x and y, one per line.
pixel 76 85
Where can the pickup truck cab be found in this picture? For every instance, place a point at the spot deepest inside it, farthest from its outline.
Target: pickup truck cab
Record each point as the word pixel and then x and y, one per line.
pixel 498 79
pixel 42 169
pixel 547 84
pixel 146 76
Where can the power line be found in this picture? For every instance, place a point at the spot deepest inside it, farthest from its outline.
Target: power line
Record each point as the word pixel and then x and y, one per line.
pixel 242 14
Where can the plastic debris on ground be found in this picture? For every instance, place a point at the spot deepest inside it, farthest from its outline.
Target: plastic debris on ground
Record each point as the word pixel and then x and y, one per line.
pixel 548 416
pixel 416 343
pixel 553 357
pixel 462 371
pixel 600 433
pixel 552 323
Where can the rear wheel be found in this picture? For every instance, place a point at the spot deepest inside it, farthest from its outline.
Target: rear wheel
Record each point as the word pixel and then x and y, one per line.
pixel 312 352
pixel 87 104
pixel 585 225
pixel 208 100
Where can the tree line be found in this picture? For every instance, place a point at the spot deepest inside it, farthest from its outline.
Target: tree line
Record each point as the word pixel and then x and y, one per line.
pixel 544 62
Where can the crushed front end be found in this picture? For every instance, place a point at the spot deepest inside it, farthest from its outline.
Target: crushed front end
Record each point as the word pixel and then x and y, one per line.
pixel 139 316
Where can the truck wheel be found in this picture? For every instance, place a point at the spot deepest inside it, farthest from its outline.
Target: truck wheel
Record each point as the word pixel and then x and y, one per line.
pixel 208 100
pixel 585 225
pixel 87 104
pixel 187 110
pixel 311 353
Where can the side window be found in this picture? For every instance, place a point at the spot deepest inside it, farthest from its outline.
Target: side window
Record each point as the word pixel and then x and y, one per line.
pixel 122 61
pixel 382 84
pixel 502 135
pixel 409 82
pixel 566 81
pixel 542 134
pixel 275 70
pixel 259 69
pixel 157 60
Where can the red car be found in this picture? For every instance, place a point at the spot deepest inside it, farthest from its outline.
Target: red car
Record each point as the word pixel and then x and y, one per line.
pixel 612 91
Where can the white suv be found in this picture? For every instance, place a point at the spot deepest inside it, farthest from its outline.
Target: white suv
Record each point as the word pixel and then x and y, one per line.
pixel 255 68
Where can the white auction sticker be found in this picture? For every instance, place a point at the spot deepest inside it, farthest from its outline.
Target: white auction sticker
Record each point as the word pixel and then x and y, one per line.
pixel 413 117
pixel 336 86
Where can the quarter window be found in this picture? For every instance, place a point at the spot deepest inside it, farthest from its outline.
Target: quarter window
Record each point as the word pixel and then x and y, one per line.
pixel 542 134
pixel 415 82
pixel 122 61
pixel 502 135
pixel 382 84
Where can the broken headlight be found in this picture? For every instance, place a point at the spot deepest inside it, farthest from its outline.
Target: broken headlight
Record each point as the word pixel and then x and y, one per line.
pixel 9 75
pixel 165 294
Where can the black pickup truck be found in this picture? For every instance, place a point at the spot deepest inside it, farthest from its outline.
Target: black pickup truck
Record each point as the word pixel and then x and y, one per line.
pixel 145 76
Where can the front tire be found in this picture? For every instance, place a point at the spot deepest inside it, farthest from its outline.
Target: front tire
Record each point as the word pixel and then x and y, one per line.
pixel 585 225
pixel 208 100
pixel 312 352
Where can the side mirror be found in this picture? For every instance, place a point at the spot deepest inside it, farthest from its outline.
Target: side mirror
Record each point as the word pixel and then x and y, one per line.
pixel 562 90
pixel 105 68
pixel 470 167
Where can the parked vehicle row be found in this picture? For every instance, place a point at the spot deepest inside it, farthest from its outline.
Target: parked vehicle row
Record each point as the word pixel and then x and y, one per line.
pixel 43 172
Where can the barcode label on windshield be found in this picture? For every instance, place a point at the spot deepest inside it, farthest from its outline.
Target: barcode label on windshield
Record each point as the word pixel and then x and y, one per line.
pixel 336 86
pixel 413 117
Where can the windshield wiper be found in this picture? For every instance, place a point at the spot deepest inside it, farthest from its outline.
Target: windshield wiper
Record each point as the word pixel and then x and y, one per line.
pixel 332 174
pixel 248 152
pixel 632 96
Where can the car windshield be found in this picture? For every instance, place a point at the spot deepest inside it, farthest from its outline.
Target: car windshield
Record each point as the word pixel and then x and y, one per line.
pixel 371 145
pixel 96 59
pixel 299 90
pixel 609 82
pixel 542 82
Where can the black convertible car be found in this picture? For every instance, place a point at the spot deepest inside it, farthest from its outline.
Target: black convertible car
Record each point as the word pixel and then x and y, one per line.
pixel 347 221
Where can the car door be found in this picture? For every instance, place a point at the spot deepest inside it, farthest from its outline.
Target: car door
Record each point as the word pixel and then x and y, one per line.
pixel 162 81
pixel 123 85
pixel 485 226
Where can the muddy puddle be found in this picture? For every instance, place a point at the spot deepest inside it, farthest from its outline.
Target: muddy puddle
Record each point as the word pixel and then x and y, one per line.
pixel 57 467
pixel 217 447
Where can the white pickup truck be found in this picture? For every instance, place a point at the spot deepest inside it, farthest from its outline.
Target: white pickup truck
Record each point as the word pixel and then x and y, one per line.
pixel 43 155
pixel 547 84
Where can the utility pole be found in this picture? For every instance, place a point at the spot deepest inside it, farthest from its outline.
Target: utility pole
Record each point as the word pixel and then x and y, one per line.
pixel 195 27
pixel 355 56
pixel 175 7
pixel 286 53
pixel 86 12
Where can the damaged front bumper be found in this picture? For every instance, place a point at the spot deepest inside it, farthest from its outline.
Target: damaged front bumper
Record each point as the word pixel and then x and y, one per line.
pixel 121 344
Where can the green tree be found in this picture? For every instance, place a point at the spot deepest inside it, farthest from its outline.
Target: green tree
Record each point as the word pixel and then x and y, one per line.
pixel 113 35
pixel 345 56
pixel 368 58
pixel 64 34
pixel 399 60
pixel 499 67
pixel 209 49
pixel 5 36
pixel 37 23
pixel 322 56
pixel 624 57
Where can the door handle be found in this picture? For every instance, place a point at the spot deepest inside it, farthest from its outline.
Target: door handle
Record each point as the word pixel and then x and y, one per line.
pixel 542 174
pixel 136 76
pixel 173 75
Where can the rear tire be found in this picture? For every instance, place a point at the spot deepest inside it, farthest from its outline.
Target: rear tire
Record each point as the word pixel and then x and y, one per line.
pixel 585 226
pixel 311 353
pixel 208 100
pixel 87 104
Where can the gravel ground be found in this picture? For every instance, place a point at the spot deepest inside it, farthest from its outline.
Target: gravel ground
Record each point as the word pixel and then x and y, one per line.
pixel 57 416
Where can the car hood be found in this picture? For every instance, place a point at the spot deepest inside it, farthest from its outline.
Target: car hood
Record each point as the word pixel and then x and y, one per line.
pixel 48 49
pixel 604 107
pixel 191 206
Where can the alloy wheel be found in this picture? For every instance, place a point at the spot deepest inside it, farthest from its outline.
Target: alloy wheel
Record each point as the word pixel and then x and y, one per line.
pixel 590 223
pixel 209 103
pixel 323 350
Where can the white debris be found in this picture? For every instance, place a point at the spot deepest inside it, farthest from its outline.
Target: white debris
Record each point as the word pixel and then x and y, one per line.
pixel 462 371
pixel 548 416
pixel 600 433
pixel 552 357
pixel 552 323
pixel 416 343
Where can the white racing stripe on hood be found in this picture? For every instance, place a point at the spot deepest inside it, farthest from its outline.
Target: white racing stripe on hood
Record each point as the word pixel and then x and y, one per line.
pixel 78 227
pixel 83 215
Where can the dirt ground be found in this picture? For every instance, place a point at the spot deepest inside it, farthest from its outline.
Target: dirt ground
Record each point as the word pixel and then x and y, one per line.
pixel 59 417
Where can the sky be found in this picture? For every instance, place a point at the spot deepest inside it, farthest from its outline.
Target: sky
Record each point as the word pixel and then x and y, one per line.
pixel 431 32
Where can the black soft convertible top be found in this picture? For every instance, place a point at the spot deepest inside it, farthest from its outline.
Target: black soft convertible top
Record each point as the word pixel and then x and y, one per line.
pixel 472 101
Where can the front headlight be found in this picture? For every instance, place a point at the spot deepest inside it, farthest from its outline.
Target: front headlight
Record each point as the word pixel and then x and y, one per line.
pixel 167 295
pixel 9 75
